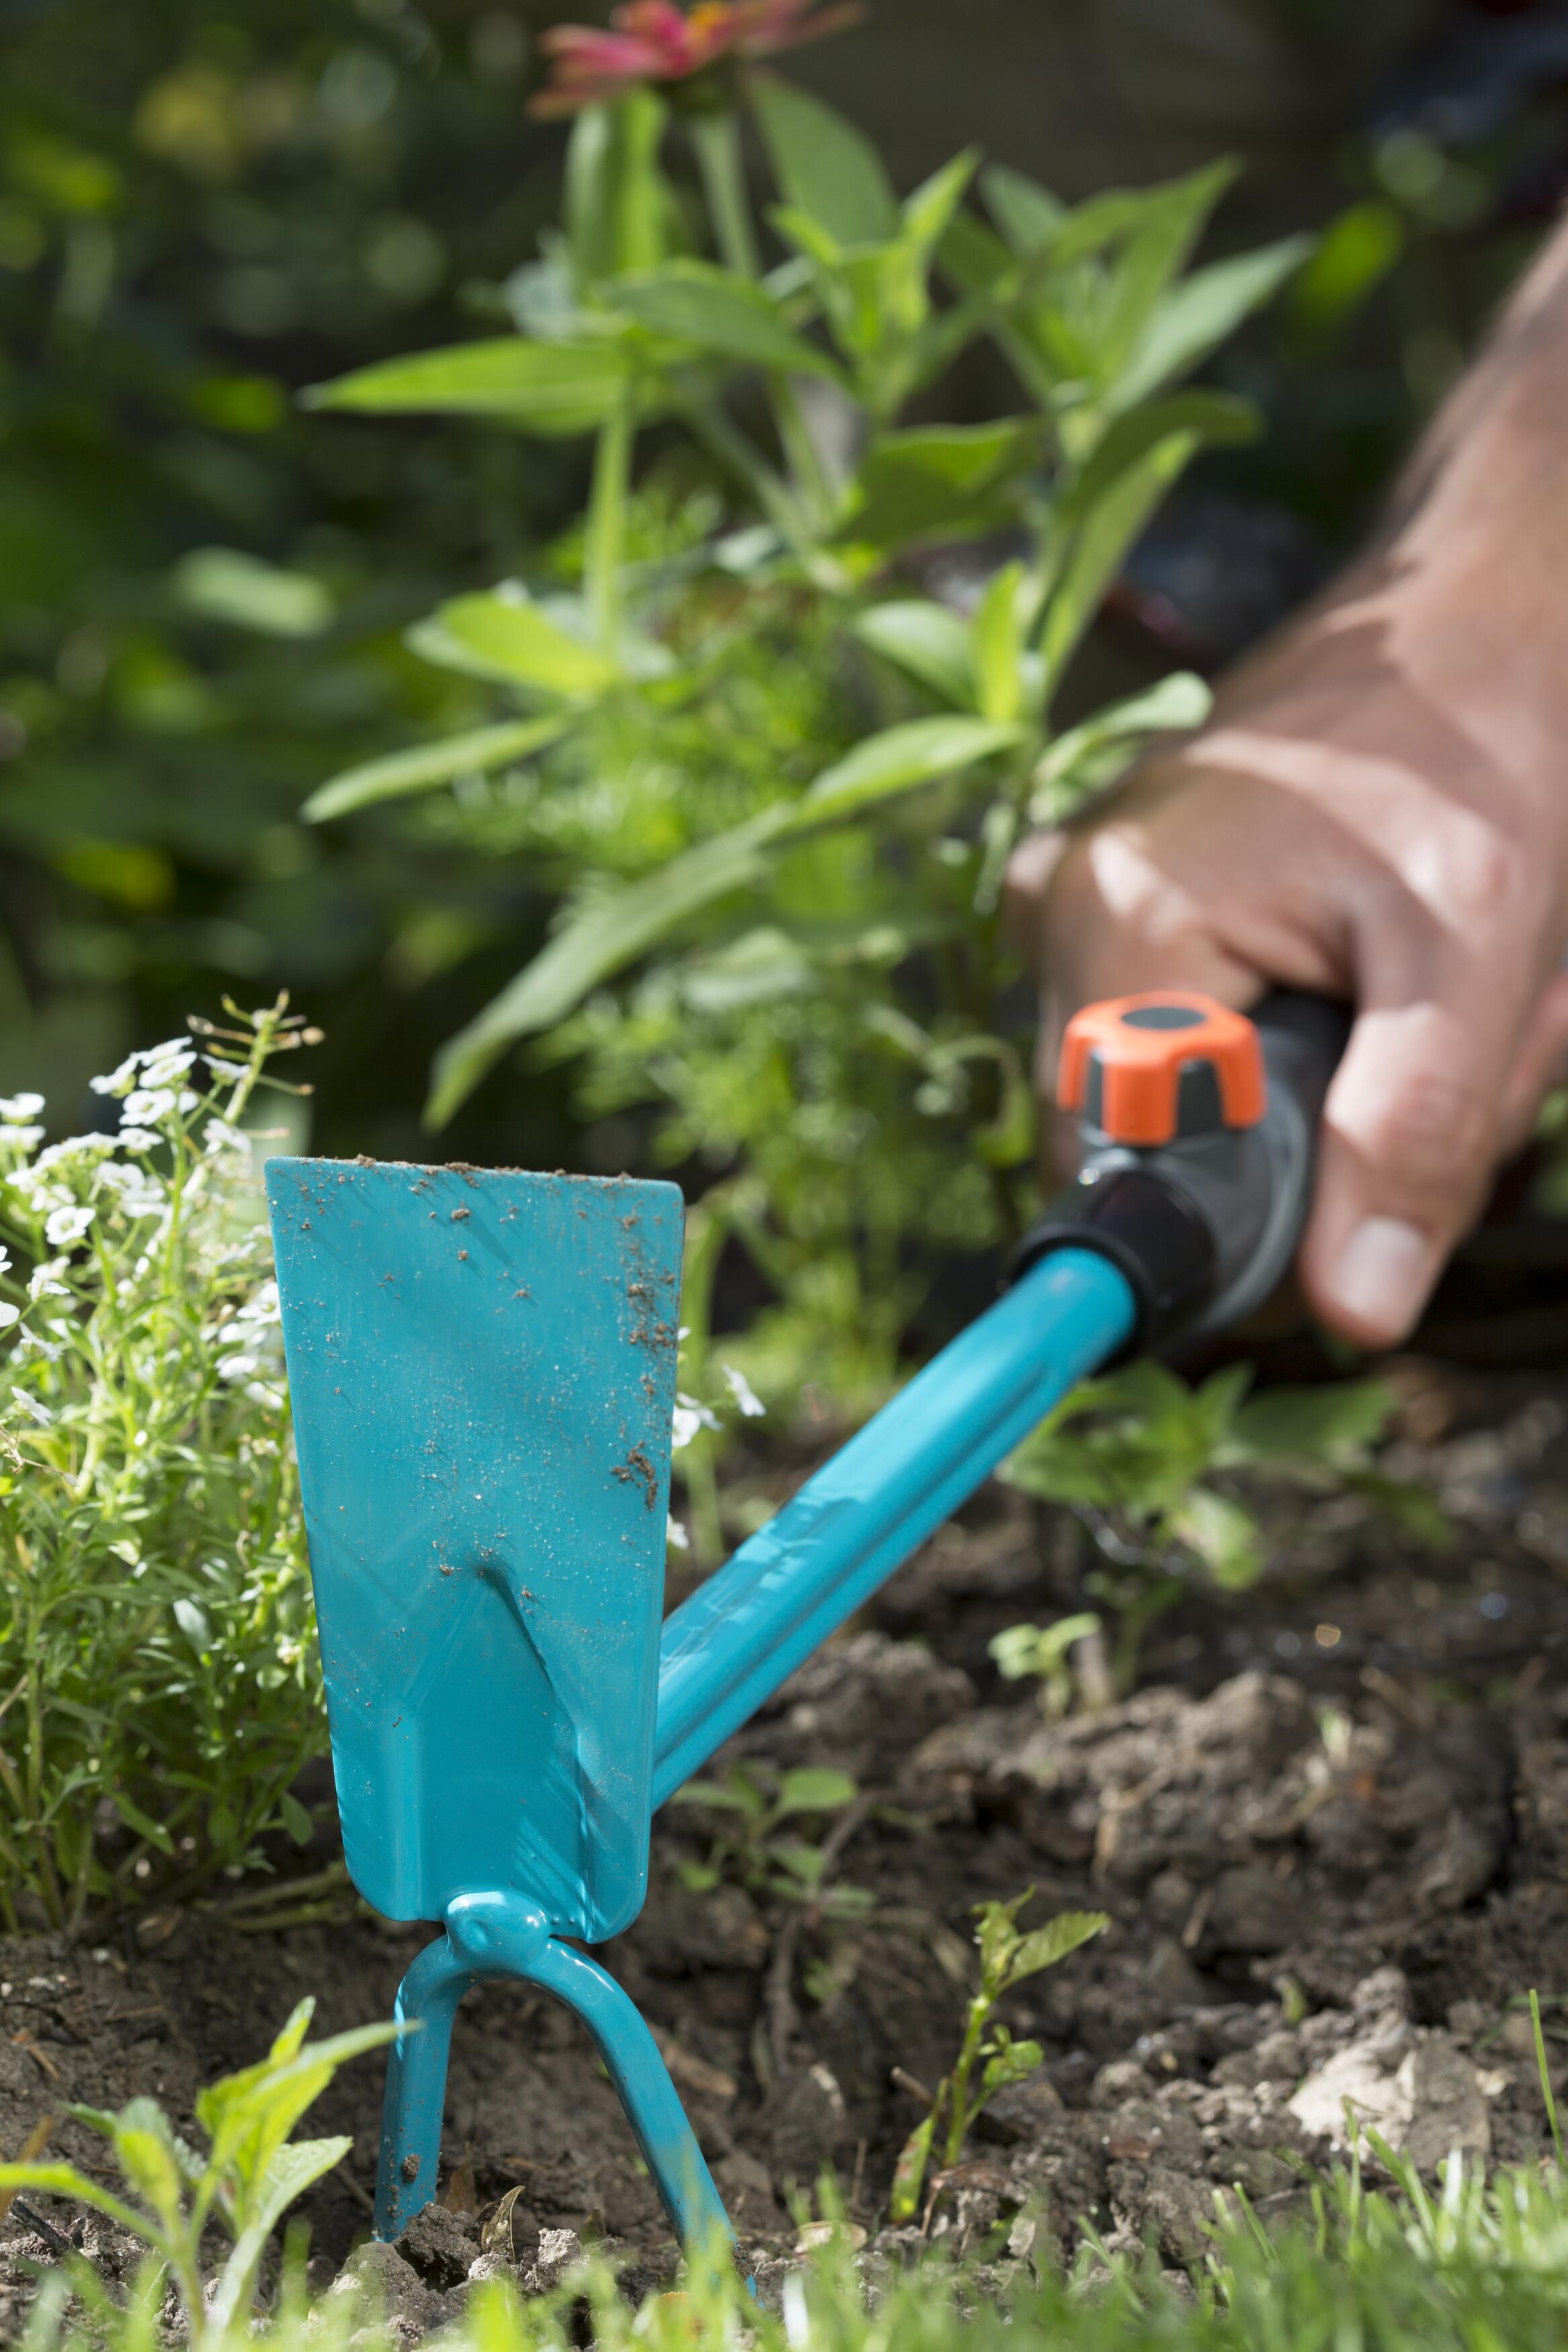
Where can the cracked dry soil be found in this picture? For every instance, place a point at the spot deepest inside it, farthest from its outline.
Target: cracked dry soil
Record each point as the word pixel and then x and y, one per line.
pixel 1331 1830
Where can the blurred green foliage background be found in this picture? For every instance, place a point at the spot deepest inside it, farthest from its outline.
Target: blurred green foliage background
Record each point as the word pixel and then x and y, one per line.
pixel 205 207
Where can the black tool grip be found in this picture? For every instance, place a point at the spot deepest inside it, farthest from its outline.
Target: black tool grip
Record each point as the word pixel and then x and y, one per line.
pixel 1203 1226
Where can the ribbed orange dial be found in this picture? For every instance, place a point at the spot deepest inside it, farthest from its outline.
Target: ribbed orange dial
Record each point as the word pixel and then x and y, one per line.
pixel 1144 1069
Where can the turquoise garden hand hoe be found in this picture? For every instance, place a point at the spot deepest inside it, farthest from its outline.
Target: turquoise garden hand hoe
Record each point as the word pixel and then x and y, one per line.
pixel 483 1370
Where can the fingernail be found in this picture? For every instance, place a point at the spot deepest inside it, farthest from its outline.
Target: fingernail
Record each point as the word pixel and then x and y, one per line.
pixel 1384 1273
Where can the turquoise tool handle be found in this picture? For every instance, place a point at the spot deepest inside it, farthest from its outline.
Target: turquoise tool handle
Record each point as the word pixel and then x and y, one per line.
pixel 778 1598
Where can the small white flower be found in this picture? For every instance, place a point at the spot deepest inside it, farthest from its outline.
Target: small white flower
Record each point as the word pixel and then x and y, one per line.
pixel 677 1535
pixel 8 1315
pixel 751 1405
pixel 40 1413
pixel 4 1257
pixel 145 1106
pixel 117 1081
pixel 237 1368
pixel 72 1150
pixel 165 1064
pixel 64 1226
pixel 138 1139
pixel 689 1417
pixel 220 1136
pixel 24 1135
pixel 16 1109
pixel 29 1344
pixel 45 1282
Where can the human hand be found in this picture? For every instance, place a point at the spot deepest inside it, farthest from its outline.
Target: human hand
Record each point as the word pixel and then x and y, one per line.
pixel 1373 812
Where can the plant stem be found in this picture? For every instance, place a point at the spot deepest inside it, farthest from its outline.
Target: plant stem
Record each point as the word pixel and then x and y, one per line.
pixel 606 536
pixel 716 141
pixel 958 2118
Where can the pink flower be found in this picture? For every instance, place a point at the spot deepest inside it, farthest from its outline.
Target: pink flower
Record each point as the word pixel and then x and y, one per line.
pixel 655 41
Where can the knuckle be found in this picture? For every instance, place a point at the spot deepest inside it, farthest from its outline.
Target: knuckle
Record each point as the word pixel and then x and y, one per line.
pixel 1482 876
pixel 1434 1134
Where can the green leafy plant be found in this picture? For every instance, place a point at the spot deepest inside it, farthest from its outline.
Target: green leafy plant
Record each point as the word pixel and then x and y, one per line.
pixel 758 1802
pixel 1044 1650
pixel 250 2175
pixel 1009 1956
pixel 853 891
pixel 1145 1461
pixel 157 1651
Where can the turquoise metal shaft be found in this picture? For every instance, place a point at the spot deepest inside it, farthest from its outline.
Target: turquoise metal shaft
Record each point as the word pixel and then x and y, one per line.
pixel 778 1599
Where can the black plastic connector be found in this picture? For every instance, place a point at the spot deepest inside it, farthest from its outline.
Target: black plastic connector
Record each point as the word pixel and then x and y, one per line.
pixel 1150 1234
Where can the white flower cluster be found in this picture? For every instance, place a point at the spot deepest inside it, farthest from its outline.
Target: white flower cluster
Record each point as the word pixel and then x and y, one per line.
pixel 691 1415
pixel 18 1113
pixel 64 1189
pixel 150 1082
pixel 252 1337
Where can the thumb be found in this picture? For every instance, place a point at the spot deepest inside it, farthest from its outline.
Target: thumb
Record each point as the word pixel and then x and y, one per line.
pixel 1411 1133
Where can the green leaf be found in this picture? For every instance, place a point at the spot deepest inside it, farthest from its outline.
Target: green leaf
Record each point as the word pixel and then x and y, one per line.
pixel 813 1791
pixel 1223 1534
pixel 1015 2061
pixel 142 1824
pixel 973 257
pixel 222 584
pixel 909 2173
pixel 697 302
pixel 925 640
pixel 802 1864
pixel 249 2115
pixel 1102 541
pixel 1172 219
pixel 425 765
pixel 296 1819
pixel 1043 1948
pixel 616 199
pixel 1027 215
pixel 897 760
pixel 144 2150
pixel 1215 417
pixel 824 166
pixel 1198 315
pixel 926 215
pixel 958 480
pixel 65 2181
pixel 1334 1423
pixel 288 2175
pixel 1092 755
pixel 1351 258
pixel 289 2040
pixel 997 1938
pixel 546 388
pixel 594 943
pixel 510 639
pixel 996 635
pixel 735 1793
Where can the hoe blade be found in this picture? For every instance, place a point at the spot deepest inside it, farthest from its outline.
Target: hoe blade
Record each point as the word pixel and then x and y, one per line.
pixel 482 1365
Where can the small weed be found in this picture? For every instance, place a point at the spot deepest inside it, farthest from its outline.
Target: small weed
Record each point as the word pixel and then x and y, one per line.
pixel 250 2176
pixel 1046 1651
pixel 755 1855
pixel 1147 1464
pixel 1007 1958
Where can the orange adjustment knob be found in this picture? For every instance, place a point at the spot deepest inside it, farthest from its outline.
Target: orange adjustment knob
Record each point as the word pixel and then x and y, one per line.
pixel 1144 1069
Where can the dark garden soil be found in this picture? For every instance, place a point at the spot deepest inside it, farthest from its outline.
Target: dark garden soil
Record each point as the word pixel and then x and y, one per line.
pixel 1331 1832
